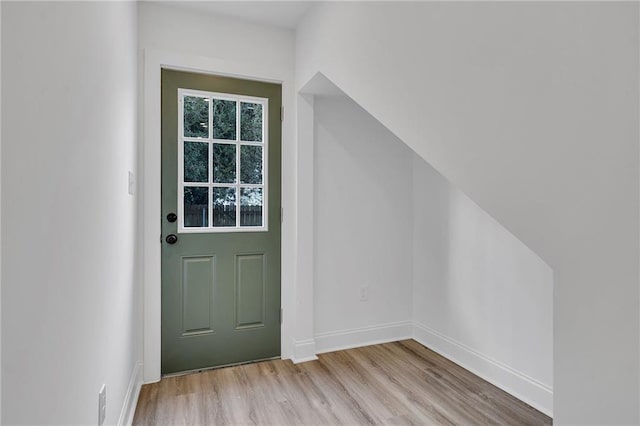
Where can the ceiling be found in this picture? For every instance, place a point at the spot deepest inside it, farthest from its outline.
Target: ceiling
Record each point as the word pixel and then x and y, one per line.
pixel 283 14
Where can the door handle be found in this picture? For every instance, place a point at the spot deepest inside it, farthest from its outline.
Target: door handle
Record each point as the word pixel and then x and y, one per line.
pixel 171 239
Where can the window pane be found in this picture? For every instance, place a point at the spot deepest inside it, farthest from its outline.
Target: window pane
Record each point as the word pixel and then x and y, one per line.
pixel 196 161
pixel 196 117
pixel 196 207
pixel 251 207
pixel 224 163
pixel 251 122
pixel 224 207
pixel 224 119
pixel 250 164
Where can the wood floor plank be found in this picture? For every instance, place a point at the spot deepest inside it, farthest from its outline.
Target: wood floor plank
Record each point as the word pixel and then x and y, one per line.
pixel 360 384
pixel 438 406
pixel 506 408
pixel 400 383
pixel 346 408
pixel 452 398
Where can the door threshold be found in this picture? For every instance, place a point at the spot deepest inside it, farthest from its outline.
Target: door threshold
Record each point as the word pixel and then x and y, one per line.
pixel 216 367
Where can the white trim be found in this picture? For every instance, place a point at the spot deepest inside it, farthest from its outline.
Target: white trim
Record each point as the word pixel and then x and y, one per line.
pixel 238 143
pixel 222 229
pixel 303 351
pixel 512 381
pixel 303 306
pixel 131 397
pixel 0 216
pixel 363 336
pixel 153 61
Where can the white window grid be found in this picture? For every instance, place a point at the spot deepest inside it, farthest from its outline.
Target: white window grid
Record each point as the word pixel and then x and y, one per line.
pixel 237 143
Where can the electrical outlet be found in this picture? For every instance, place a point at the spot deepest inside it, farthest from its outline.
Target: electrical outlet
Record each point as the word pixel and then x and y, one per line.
pixel 364 293
pixel 102 405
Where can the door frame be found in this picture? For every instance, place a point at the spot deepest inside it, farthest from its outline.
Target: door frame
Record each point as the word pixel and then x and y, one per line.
pixel 150 193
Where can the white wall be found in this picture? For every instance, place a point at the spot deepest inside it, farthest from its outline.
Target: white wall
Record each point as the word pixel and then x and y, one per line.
pixel 480 296
pixel 363 228
pixel 217 44
pixel 69 319
pixel 532 110
pixel 438 267
pixel 0 213
pixel 206 34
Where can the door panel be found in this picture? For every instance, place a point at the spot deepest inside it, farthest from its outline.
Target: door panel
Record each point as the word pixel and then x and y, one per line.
pixel 221 278
pixel 198 288
pixel 250 289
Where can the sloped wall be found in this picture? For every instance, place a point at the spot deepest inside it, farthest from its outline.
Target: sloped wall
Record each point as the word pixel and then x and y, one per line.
pixel 531 109
pixel 480 296
pixel 435 266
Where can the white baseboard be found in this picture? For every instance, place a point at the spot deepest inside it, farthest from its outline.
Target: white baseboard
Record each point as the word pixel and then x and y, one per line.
pixel 516 383
pixel 523 387
pixel 131 398
pixel 363 336
pixel 303 351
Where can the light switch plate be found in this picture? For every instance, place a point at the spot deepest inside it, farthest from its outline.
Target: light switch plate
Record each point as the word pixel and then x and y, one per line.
pixel 132 183
pixel 102 405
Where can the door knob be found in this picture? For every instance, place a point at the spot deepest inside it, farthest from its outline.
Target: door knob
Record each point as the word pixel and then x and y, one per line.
pixel 172 217
pixel 171 239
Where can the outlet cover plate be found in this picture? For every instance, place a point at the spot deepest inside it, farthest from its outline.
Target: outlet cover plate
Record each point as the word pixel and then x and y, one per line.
pixel 364 293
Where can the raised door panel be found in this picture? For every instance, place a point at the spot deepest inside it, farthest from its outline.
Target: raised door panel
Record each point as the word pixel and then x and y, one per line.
pixel 198 281
pixel 250 290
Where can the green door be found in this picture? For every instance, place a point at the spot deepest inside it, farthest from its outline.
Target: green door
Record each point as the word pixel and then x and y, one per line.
pixel 220 220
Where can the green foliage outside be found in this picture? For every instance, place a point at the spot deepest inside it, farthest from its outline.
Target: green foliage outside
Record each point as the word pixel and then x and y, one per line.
pixel 196 117
pixel 196 156
pixel 195 161
pixel 224 163
pixel 251 122
pixel 224 119
pixel 251 164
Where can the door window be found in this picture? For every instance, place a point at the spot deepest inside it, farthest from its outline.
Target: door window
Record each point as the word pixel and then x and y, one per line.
pixel 222 173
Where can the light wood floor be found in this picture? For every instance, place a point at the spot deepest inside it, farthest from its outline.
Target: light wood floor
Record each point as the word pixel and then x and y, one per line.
pixel 394 383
